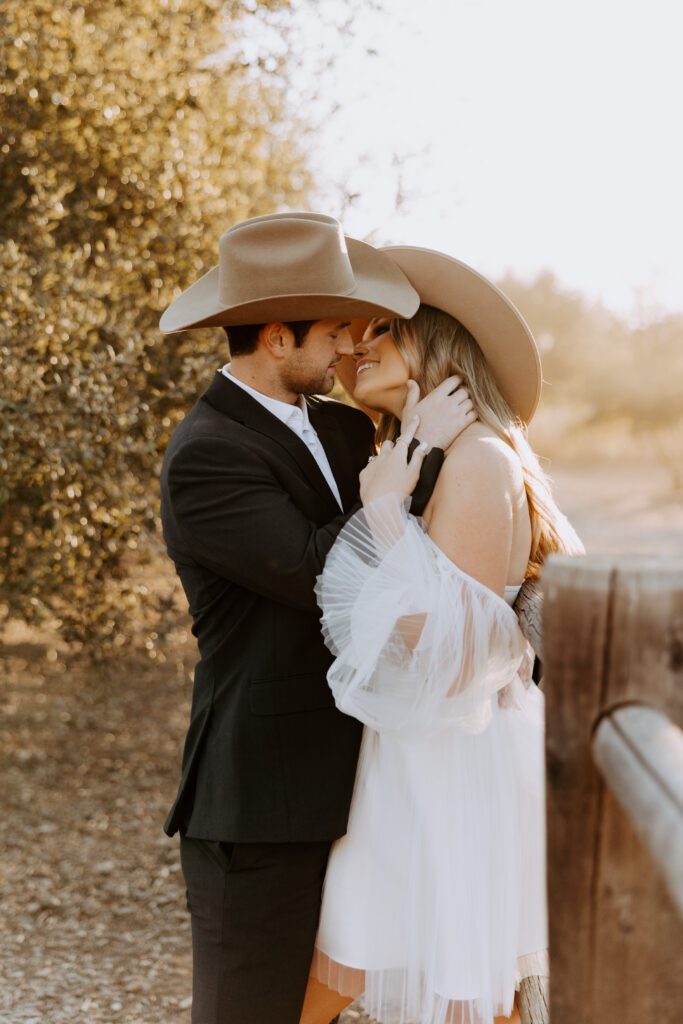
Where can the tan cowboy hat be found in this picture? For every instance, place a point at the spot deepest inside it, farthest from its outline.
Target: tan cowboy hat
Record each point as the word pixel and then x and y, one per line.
pixel 489 316
pixel 493 321
pixel 291 266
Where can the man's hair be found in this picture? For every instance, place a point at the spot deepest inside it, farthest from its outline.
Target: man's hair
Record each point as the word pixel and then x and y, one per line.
pixel 243 338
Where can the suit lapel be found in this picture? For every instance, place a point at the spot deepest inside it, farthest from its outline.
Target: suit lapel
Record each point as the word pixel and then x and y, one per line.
pixel 231 400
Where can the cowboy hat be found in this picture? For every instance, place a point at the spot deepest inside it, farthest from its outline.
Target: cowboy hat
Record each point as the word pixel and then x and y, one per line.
pixel 291 266
pixel 493 321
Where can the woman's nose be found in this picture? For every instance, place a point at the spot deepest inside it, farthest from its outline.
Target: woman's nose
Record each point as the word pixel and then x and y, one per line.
pixel 344 345
pixel 364 345
pixel 359 350
pixel 368 334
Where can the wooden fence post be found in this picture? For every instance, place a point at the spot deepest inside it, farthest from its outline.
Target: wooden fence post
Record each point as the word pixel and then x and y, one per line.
pixel 612 632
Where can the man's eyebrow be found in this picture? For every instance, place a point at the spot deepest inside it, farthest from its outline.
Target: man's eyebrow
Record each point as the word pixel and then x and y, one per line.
pixel 341 326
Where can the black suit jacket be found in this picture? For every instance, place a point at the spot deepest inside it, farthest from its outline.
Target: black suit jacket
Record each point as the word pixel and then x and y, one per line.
pixel 248 519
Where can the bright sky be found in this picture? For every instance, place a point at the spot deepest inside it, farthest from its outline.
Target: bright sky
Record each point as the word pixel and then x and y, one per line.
pixel 532 134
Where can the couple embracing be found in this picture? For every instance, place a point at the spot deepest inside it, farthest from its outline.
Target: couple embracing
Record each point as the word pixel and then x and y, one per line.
pixel 361 801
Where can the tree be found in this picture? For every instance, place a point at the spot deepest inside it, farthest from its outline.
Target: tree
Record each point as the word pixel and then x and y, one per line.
pixel 131 135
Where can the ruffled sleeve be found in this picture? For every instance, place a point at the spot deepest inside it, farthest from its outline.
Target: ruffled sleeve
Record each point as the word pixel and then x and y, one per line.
pixel 419 645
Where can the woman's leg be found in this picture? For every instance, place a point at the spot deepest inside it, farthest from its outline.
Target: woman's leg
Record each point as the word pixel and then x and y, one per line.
pixel 322 1004
pixel 514 1017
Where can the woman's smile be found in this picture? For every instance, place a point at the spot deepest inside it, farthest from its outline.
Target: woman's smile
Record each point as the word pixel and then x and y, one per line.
pixel 384 390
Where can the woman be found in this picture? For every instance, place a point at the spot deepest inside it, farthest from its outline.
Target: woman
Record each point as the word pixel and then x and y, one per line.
pixel 434 901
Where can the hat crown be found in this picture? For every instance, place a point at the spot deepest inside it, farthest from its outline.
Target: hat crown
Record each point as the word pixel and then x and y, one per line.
pixel 291 266
pixel 281 254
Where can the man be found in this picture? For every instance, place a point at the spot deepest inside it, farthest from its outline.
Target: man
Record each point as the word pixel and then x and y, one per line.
pixel 256 484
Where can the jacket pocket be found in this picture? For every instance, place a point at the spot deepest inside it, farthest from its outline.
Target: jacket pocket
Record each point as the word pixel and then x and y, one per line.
pixel 291 694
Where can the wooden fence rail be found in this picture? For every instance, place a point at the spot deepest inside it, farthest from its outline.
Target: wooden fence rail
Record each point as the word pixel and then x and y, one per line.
pixel 612 636
pixel 640 755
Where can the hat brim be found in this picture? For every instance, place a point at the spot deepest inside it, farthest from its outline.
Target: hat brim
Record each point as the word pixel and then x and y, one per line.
pixel 381 290
pixel 491 318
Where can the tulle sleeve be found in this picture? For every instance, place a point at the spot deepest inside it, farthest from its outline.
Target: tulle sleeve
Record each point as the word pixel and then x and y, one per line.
pixel 419 645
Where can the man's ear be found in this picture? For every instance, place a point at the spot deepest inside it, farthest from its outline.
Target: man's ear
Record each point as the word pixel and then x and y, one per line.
pixel 277 339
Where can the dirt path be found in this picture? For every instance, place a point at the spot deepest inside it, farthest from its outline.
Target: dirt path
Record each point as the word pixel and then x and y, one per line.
pixel 94 922
pixel 94 928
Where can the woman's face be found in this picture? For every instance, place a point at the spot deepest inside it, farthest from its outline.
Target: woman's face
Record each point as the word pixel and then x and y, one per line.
pixel 381 371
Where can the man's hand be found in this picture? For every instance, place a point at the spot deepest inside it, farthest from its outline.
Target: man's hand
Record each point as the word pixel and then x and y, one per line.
pixel 444 413
pixel 393 471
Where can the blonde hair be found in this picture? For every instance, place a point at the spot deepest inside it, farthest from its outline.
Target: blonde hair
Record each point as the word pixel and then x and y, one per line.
pixel 436 345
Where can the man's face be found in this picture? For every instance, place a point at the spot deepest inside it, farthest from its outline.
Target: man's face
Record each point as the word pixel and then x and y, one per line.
pixel 309 369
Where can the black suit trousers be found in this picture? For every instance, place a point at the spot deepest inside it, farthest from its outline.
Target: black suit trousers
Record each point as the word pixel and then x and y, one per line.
pixel 254 909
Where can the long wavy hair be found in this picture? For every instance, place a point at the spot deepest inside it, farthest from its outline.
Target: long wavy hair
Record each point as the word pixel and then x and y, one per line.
pixel 435 346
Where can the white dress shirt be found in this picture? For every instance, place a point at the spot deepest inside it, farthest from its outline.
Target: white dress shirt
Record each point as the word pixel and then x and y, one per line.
pixel 296 418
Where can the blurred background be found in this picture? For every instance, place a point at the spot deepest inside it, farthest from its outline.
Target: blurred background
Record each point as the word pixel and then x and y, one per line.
pixel 541 145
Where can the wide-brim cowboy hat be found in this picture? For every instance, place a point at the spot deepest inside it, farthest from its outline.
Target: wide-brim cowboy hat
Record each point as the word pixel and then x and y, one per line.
pixel 488 314
pixel 292 266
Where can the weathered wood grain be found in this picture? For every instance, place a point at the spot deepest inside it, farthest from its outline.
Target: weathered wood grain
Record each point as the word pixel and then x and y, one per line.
pixel 533 1001
pixel 640 755
pixel 612 632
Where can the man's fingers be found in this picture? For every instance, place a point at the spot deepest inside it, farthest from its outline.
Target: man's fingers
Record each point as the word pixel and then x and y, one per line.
pixel 408 433
pixel 412 398
pixel 449 385
pixel 460 395
pixel 418 455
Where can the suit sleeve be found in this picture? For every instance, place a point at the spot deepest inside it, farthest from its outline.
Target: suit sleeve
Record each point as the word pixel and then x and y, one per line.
pixel 429 471
pixel 237 520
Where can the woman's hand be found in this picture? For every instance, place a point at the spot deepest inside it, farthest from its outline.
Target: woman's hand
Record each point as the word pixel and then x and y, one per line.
pixel 391 472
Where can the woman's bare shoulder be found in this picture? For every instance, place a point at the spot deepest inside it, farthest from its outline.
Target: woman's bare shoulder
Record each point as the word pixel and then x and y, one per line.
pixel 479 454
pixel 471 515
pixel 481 477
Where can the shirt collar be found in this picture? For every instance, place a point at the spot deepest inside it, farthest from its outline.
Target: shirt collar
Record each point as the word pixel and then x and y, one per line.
pixel 294 416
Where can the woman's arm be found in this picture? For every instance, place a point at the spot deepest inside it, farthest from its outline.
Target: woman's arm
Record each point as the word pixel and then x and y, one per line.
pixel 471 518
pixel 419 644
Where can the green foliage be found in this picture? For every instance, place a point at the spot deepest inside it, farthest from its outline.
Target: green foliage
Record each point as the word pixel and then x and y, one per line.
pixel 132 133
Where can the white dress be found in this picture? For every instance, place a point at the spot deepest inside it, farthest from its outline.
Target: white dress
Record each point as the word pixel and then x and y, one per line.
pixel 434 902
